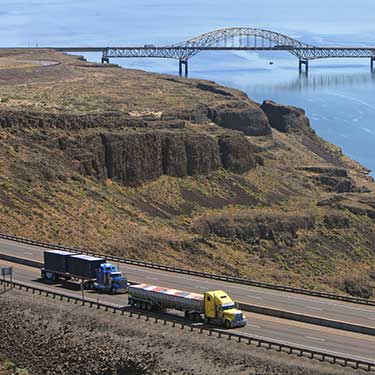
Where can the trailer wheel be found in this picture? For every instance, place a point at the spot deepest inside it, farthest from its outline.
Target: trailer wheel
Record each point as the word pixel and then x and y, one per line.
pixel 197 318
pixel 143 306
pixel 187 314
pixel 148 307
pixel 227 323
pixel 50 276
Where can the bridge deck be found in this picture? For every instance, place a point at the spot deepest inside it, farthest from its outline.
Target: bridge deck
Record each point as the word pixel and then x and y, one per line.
pixel 230 39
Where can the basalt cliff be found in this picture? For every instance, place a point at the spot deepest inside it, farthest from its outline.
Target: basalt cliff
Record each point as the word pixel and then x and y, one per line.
pixel 181 172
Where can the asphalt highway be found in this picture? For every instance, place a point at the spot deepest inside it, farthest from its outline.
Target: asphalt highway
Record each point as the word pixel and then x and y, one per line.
pixel 310 336
pixel 297 303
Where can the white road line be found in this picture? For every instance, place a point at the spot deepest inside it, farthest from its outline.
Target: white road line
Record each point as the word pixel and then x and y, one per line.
pixel 313 308
pixel 315 338
pixel 244 288
pixel 314 348
pixel 343 305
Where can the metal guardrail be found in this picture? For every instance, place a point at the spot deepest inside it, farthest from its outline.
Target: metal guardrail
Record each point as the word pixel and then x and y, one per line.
pixel 323 356
pixel 367 330
pixel 231 279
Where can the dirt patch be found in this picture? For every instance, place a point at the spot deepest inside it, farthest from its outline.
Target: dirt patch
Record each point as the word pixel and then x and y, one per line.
pixel 49 338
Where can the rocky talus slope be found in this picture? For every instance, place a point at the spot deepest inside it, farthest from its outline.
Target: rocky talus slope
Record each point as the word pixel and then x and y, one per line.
pixel 181 172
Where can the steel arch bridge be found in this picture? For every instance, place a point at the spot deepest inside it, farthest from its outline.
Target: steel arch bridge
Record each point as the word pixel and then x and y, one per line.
pixel 237 38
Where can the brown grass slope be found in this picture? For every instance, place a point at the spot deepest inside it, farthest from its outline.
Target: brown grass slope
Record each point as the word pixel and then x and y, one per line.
pixel 181 172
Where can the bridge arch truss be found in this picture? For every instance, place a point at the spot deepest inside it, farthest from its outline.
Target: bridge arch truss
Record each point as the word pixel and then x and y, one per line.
pixel 239 38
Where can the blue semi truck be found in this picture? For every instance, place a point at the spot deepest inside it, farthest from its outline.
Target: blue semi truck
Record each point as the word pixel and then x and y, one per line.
pixel 93 272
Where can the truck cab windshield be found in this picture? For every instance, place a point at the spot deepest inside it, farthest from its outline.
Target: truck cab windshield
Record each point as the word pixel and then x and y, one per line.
pixel 115 275
pixel 228 306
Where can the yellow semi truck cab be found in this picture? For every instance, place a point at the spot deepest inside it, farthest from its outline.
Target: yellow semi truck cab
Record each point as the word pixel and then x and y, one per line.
pixel 220 309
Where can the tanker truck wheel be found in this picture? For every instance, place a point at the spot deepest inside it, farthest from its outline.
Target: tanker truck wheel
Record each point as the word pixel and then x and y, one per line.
pixel 227 323
pixel 143 306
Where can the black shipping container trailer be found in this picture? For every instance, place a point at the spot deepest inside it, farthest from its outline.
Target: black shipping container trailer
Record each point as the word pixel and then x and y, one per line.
pixel 84 266
pixel 57 260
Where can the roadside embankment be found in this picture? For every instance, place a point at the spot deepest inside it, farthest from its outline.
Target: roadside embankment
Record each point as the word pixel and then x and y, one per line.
pixel 62 338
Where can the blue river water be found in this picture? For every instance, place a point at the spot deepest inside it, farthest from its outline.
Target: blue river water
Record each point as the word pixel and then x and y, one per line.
pixel 338 95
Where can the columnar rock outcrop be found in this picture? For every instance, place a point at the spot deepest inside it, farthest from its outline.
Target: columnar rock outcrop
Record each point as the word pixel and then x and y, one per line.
pixel 133 158
pixel 237 154
pixel 136 157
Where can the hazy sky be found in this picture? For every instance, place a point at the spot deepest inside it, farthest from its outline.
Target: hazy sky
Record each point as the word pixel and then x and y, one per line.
pixel 117 21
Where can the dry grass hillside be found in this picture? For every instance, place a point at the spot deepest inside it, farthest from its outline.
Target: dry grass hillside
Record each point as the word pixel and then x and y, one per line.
pixel 181 172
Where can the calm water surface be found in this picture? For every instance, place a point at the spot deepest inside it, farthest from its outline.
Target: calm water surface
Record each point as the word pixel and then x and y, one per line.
pixel 338 95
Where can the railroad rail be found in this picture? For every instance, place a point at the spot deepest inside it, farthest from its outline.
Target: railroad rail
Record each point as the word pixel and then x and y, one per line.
pixel 225 278
pixel 301 351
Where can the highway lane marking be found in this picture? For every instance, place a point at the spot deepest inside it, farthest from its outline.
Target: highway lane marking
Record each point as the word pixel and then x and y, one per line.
pixel 343 305
pixel 316 349
pixel 308 327
pixel 264 292
pixel 34 272
pixel 315 338
pixel 254 290
pixel 77 293
pixel 253 325
pixel 313 308
pixel 18 266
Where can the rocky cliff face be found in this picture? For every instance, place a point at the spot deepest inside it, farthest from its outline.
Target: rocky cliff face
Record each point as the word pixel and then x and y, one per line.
pixel 258 194
pixel 34 120
pixel 246 117
pixel 143 156
pixel 286 118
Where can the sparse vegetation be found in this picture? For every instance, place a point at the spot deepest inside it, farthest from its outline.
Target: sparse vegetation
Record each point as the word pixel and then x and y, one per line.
pixel 76 340
pixel 293 211
pixel 9 368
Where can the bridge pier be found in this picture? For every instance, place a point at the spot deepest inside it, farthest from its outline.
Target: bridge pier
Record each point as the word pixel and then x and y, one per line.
pixel 372 59
pixel 181 64
pixel 105 60
pixel 304 63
